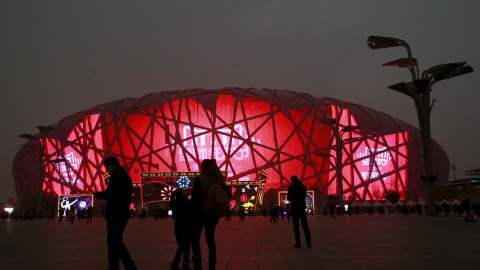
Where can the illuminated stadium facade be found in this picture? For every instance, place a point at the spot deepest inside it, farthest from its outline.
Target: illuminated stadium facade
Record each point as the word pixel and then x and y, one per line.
pixel 283 133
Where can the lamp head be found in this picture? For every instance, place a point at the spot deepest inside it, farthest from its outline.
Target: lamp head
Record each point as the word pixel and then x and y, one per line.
pixel 448 71
pixel 329 121
pixel 28 137
pixel 411 88
pixel 45 129
pixel 401 63
pixel 377 42
pixel 350 128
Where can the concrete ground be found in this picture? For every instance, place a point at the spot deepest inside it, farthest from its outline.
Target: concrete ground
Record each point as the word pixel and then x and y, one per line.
pixel 363 242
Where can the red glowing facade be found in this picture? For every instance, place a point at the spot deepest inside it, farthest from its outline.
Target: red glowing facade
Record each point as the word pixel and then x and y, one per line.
pixel 246 130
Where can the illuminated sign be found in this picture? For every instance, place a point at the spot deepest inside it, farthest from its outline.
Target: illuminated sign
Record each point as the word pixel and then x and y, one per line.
pixel 282 200
pixel 204 146
pixel 158 187
pixel 244 193
pixel 373 163
pixel 74 201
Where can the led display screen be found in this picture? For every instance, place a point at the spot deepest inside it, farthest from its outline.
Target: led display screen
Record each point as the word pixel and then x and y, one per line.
pixel 74 201
pixel 158 187
pixel 309 199
pixel 244 193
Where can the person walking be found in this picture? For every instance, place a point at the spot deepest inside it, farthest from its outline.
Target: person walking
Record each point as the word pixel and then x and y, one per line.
pixel 72 215
pixel 332 210
pixel 181 209
pixel 118 196
pixel 210 173
pixel 296 195
pixel 60 214
pixel 273 213
pixel 67 214
pixel 241 213
pixel 228 215
pixel 288 211
pixel 90 214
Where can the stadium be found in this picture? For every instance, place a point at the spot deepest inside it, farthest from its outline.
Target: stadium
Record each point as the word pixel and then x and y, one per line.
pixel 254 134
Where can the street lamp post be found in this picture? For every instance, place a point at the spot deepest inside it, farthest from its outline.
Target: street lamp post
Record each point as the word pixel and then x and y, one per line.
pixel 419 90
pixel 40 147
pixel 338 133
pixel 454 168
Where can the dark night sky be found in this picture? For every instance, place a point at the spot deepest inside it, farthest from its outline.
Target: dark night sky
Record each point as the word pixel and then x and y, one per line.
pixel 61 57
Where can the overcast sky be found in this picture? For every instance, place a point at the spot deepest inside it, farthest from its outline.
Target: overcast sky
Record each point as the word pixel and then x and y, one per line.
pixel 61 57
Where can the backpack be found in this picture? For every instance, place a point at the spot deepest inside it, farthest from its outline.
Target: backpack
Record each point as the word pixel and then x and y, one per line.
pixel 217 202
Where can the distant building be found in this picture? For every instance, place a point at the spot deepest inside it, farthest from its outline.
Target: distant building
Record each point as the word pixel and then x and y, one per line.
pixel 246 131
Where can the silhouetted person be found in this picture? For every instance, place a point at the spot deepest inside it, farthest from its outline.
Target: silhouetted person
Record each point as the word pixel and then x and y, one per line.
pixel 90 214
pixel 466 208
pixel 118 196
pixel 181 210
pixel 296 195
pixel 228 215
pixel 241 213
pixel 446 208
pixel 72 215
pixel 209 173
pixel 332 210
pixel 273 213
pixel 60 214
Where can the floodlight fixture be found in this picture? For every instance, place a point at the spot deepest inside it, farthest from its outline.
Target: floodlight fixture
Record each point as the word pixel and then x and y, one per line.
pixel 28 137
pixel 460 71
pixel 350 128
pixel 329 121
pixel 377 42
pixel 402 63
pixel 325 155
pixel 448 71
pixel 45 129
pixel 444 68
pixel 416 87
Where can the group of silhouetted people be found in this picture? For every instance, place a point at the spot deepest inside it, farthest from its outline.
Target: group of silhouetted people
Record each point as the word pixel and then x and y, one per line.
pixel 191 217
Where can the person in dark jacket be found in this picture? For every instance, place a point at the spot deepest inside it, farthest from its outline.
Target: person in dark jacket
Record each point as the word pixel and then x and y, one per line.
pixel 209 173
pixel 296 195
pixel 118 196
pixel 181 210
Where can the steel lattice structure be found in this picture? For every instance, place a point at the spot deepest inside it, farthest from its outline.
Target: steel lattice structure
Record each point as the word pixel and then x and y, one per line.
pixel 246 130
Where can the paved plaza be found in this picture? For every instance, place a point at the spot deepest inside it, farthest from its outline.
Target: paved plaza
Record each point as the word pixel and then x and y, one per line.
pixel 348 242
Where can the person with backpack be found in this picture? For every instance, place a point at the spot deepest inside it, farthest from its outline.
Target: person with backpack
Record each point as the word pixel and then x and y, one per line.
pixel 209 202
